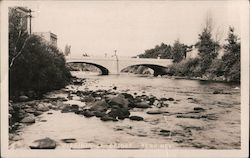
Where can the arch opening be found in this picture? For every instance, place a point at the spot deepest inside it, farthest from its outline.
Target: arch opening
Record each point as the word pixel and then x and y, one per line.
pixel 157 69
pixel 103 70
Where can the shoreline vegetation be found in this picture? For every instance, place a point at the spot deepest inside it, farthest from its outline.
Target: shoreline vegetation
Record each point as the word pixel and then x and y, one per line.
pixel 213 61
pixel 35 65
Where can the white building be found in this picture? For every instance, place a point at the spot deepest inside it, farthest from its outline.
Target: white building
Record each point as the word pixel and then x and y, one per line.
pixel 193 53
pixel 48 36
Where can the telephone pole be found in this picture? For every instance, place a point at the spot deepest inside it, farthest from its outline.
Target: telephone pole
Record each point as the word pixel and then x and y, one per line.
pixel 30 16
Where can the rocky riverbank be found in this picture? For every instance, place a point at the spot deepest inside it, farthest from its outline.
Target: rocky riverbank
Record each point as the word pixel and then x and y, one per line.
pixel 122 116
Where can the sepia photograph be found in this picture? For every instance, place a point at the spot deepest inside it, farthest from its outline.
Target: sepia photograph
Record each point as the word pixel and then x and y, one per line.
pixel 158 78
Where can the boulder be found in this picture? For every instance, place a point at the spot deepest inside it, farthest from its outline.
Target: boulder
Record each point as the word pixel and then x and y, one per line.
pixel 108 118
pixel 199 109
pixel 37 113
pixel 163 99
pixel 142 105
pixel 28 119
pixel 120 113
pixel 99 114
pixel 151 100
pixel 88 113
pixel 42 107
pixel 170 99
pixel 136 118
pixel 217 92
pixel 100 106
pixel 88 98
pixel 23 98
pixel 30 110
pixel 21 114
pixel 45 143
pixel 119 100
pixel 70 108
pixel 69 140
pixel 16 138
pixel 127 96
pixel 164 132
pixel 155 112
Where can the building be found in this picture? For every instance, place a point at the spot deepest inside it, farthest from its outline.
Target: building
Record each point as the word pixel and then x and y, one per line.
pixel 50 37
pixel 25 17
pixel 193 53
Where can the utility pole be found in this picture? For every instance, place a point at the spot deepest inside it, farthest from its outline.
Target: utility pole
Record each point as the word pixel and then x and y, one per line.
pixel 30 16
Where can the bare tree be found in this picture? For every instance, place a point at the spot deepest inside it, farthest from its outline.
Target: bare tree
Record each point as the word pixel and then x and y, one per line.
pixel 18 34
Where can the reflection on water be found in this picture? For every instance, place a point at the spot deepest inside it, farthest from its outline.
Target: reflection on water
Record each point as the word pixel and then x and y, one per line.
pixel 219 130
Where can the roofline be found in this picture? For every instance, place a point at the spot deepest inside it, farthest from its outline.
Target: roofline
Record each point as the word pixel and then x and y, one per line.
pixel 23 9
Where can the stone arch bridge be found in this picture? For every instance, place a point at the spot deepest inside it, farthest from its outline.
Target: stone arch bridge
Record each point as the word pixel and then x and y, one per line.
pixel 113 65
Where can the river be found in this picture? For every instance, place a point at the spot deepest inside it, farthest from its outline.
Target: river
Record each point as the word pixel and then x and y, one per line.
pixel 219 129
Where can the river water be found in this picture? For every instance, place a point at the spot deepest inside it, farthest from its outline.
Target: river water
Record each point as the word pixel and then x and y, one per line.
pixel 220 129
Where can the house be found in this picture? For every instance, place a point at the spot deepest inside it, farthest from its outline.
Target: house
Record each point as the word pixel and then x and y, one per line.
pixel 50 37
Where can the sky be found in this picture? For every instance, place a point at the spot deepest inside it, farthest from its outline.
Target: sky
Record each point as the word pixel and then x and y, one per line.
pixel 130 27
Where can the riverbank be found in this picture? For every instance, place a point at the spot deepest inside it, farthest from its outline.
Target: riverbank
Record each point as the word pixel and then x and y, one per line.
pixel 145 71
pixel 132 112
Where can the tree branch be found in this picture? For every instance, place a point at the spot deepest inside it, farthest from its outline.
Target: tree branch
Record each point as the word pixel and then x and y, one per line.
pixel 13 59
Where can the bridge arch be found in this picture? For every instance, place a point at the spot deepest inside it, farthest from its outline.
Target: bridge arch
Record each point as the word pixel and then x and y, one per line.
pixel 158 69
pixel 104 70
pixel 110 65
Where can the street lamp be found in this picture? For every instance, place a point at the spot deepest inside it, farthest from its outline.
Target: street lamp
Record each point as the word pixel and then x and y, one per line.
pixel 117 61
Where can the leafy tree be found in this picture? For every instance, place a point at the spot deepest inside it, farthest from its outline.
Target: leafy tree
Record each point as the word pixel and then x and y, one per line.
pixel 163 51
pixel 231 58
pixel 208 49
pixel 36 67
pixel 179 51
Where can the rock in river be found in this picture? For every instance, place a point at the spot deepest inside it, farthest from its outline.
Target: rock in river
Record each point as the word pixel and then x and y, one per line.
pixel 29 119
pixel 23 98
pixel 108 118
pixel 70 108
pixel 42 107
pixel 69 140
pixel 45 143
pixel 100 106
pixel 121 113
pixel 142 105
pixel 164 132
pixel 155 112
pixel 88 113
pixel 119 100
pixel 136 118
pixel 199 109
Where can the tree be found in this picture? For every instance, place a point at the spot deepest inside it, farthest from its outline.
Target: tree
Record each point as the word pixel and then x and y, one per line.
pixel 18 34
pixel 67 50
pixel 179 51
pixel 231 58
pixel 208 48
pixel 164 51
pixel 36 67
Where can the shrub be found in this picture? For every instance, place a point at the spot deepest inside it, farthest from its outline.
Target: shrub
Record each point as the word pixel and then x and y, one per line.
pixel 39 68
